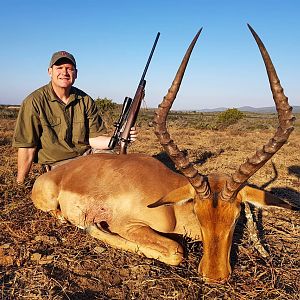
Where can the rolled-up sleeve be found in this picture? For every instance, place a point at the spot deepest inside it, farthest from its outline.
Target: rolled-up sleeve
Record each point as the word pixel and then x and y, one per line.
pixel 27 130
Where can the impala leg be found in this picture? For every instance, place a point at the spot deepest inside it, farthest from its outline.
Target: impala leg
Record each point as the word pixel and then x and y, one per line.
pixel 58 215
pixel 142 240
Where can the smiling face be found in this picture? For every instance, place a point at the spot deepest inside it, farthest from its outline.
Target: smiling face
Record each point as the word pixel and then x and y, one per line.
pixel 63 74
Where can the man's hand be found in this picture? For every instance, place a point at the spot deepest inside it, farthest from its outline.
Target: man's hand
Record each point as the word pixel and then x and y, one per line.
pixel 133 134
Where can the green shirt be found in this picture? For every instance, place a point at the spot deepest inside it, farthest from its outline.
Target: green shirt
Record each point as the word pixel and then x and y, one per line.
pixel 59 131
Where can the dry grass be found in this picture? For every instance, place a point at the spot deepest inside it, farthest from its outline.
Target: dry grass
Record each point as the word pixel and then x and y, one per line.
pixel 41 259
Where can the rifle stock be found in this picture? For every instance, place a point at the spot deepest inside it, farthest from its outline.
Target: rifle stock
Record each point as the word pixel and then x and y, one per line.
pixel 130 112
pixel 132 116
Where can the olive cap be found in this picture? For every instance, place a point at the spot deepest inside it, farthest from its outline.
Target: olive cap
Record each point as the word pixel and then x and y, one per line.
pixel 62 54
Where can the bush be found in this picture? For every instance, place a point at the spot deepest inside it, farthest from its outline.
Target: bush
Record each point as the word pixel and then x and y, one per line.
pixel 229 117
pixel 108 110
pixel 9 112
pixel 105 105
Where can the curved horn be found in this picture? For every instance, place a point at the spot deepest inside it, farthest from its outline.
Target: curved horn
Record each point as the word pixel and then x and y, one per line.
pixel 285 119
pixel 178 157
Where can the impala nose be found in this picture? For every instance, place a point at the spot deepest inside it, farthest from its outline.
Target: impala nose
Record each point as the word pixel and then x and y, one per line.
pixel 219 280
pixel 214 274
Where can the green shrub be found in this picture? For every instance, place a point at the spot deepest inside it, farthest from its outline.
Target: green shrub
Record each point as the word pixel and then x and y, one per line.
pixel 105 105
pixel 8 112
pixel 229 117
pixel 108 110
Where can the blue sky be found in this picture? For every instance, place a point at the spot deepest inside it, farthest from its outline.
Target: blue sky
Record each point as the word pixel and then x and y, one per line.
pixel 111 41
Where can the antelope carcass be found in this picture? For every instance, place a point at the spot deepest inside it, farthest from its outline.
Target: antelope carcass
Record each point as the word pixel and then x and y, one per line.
pixel 128 200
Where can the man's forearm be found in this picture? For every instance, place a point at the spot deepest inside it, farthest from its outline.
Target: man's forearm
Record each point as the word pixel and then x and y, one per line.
pixel 25 159
pixel 99 142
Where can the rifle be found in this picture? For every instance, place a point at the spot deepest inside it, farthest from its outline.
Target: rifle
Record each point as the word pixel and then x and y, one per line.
pixel 130 110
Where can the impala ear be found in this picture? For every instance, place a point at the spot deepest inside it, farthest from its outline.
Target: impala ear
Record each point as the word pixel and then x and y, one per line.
pixel 176 197
pixel 262 198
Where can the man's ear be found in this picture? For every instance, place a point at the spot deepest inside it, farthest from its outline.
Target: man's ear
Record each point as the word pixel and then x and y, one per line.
pixel 176 197
pixel 50 72
pixel 262 198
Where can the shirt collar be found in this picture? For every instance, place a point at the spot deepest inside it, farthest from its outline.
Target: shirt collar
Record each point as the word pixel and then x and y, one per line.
pixel 53 96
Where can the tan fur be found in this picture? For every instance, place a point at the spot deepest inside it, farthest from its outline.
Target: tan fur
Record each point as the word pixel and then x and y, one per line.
pixel 108 195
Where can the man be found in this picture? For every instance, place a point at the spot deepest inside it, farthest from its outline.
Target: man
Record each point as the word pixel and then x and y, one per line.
pixel 58 122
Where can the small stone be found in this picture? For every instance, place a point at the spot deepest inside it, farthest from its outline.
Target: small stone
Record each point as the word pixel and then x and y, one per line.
pixel 46 239
pixel 36 256
pixel 46 260
pixel 99 250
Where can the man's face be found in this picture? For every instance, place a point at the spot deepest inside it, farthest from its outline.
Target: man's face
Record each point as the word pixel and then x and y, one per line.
pixel 63 74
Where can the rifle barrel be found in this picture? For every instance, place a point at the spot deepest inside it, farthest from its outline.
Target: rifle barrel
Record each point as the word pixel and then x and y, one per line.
pixel 149 58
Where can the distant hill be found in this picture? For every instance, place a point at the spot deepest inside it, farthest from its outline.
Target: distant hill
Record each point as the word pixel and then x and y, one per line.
pixel 261 110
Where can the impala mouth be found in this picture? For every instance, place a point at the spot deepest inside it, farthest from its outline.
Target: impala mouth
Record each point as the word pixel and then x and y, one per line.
pixel 215 281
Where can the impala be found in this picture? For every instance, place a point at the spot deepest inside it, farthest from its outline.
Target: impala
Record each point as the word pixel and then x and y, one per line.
pixel 127 201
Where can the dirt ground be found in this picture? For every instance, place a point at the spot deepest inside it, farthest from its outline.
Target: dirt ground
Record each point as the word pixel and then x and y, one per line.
pixel 42 259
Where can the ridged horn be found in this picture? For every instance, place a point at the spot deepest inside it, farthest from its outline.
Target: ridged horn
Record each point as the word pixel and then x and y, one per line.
pixel 285 119
pixel 181 161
